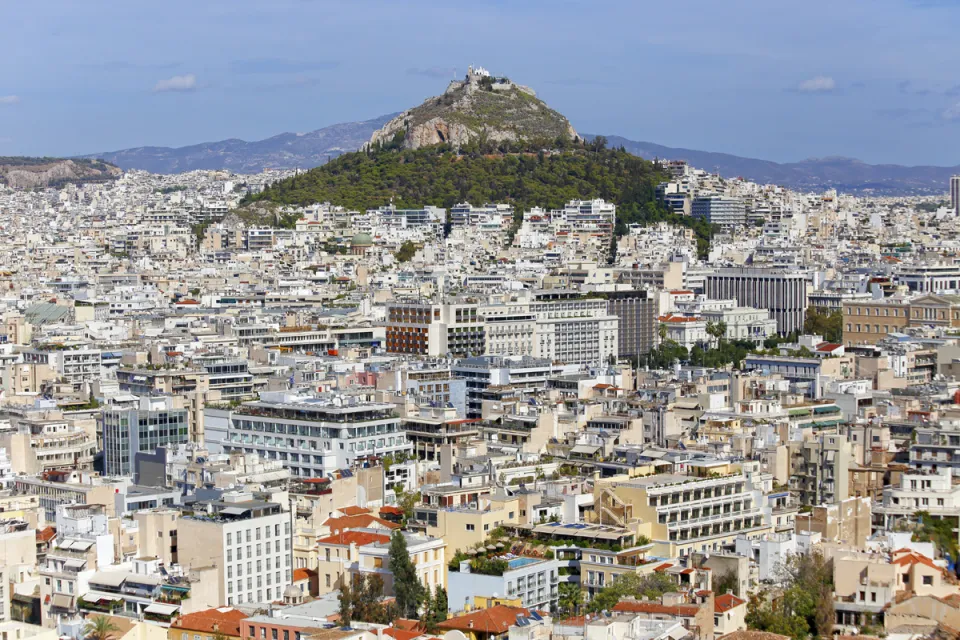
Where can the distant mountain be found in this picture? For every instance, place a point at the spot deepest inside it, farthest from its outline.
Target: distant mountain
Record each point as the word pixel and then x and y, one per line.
pixel 284 151
pixel 815 174
pixel 28 173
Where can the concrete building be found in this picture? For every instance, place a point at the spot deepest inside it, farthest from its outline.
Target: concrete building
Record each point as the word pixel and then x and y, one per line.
pixel 637 312
pixel 246 540
pixel 783 293
pixel 720 210
pixel 821 469
pixel 157 421
pixel 313 434
pixel 534 581
pixel 933 492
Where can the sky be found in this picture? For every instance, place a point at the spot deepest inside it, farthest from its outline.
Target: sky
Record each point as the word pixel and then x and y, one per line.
pixel 876 80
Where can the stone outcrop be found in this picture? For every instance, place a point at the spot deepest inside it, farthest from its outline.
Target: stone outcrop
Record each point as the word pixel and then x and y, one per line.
pixel 477 107
pixel 30 173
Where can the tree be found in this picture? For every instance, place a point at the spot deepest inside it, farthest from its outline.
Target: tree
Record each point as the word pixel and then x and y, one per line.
pixel 406 501
pixel 570 598
pixel 804 603
pixel 407 587
pixel 436 608
pixel 99 628
pixel 406 252
pixel 826 324
pixel 631 585
pixel 727 582
pixel 345 599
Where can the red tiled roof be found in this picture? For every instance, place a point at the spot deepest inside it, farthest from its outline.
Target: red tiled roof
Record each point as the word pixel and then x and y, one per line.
pixel 401 634
pixel 358 538
pixel 686 610
pixel 354 511
pixel 663 567
pixel 913 558
pixel 828 346
pixel 361 521
pixel 396 511
pixel 407 624
pixel 47 534
pixel 226 620
pixel 725 602
pixel 495 620
pixel 302 574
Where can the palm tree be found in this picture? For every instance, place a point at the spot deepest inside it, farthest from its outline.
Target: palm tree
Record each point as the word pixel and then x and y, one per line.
pixel 662 330
pixel 99 628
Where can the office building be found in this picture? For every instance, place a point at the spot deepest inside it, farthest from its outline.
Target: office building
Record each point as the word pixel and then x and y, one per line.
pixel 157 421
pixel 955 195
pixel 781 292
pixel 637 314
pixel 720 210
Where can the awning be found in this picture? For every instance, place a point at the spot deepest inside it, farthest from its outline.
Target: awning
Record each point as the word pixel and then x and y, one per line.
pixel 109 579
pixel 74 564
pixel 62 601
pixel 162 609
pixel 585 448
pixel 235 511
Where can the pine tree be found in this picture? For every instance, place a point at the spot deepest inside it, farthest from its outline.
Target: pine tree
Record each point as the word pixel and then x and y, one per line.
pixel 407 587
pixel 440 605
pixel 346 603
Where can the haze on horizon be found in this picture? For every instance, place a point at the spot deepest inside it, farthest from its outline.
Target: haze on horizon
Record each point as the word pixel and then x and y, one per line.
pixel 867 79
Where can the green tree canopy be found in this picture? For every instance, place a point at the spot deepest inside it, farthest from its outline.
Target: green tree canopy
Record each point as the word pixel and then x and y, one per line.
pixel 407 588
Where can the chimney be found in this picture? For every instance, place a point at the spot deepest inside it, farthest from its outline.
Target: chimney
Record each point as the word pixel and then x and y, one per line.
pixel 470 624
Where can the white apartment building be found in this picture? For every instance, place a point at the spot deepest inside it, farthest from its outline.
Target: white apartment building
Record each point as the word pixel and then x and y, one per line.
pixel 247 540
pixel 312 434
pixel 933 492
pixel 534 581
pixel 77 364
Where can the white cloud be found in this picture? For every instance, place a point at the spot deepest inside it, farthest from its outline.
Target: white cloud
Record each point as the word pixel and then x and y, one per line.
pixel 952 113
pixel 9 99
pixel 186 82
pixel 819 84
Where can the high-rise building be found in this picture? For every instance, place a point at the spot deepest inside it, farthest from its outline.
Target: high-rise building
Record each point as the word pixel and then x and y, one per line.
pixel 783 293
pixel 821 469
pixel 158 421
pixel 955 195
pixel 637 311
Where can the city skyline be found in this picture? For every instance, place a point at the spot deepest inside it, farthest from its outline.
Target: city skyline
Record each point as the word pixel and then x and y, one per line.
pixel 869 81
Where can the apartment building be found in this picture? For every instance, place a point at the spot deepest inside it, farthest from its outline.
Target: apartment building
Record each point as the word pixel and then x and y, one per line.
pixel 688 514
pixel 936 447
pixel 156 421
pixel 248 541
pixel 534 581
pixel 525 374
pixel 56 489
pixel 312 434
pixel 433 427
pixel 432 329
pixel 820 469
pixel 40 439
pixel 933 492
pixel 929 278
pixel 77 364
pixel 781 292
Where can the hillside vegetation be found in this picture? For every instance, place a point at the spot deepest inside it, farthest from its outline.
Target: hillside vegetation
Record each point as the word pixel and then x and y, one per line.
pixel 28 173
pixel 479 173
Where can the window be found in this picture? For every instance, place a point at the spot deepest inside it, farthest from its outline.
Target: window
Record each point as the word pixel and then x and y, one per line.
pixel 928 580
pixel 471 527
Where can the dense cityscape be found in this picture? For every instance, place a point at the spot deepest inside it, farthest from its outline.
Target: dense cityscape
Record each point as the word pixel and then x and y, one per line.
pixel 479 377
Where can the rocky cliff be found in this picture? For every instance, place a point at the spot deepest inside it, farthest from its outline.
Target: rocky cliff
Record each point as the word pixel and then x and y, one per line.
pixel 29 173
pixel 477 107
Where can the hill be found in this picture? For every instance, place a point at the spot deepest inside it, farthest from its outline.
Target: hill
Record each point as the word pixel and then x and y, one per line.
pixel 481 172
pixel 283 151
pixel 29 173
pixel 479 107
pixel 815 174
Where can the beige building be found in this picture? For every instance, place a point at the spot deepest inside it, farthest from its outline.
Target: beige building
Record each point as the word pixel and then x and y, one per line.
pixel 821 469
pixel 158 534
pixel 849 522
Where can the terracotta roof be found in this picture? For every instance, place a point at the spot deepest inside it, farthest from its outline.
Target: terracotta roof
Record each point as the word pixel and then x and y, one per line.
pixel 401 634
pixel 913 558
pixel 407 624
pixel 495 620
pixel 47 534
pixel 663 567
pixel 396 511
pixel 725 602
pixel 628 606
pixel 226 619
pixel 361 521
pixel 358 538
pixel 354 511
pixel 302 574
pixel 828 346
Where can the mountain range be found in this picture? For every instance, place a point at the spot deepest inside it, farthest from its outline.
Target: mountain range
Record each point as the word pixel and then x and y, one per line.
pixel 305 150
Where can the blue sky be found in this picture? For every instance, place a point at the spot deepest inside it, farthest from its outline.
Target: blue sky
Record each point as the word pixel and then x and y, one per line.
pixel 872 79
